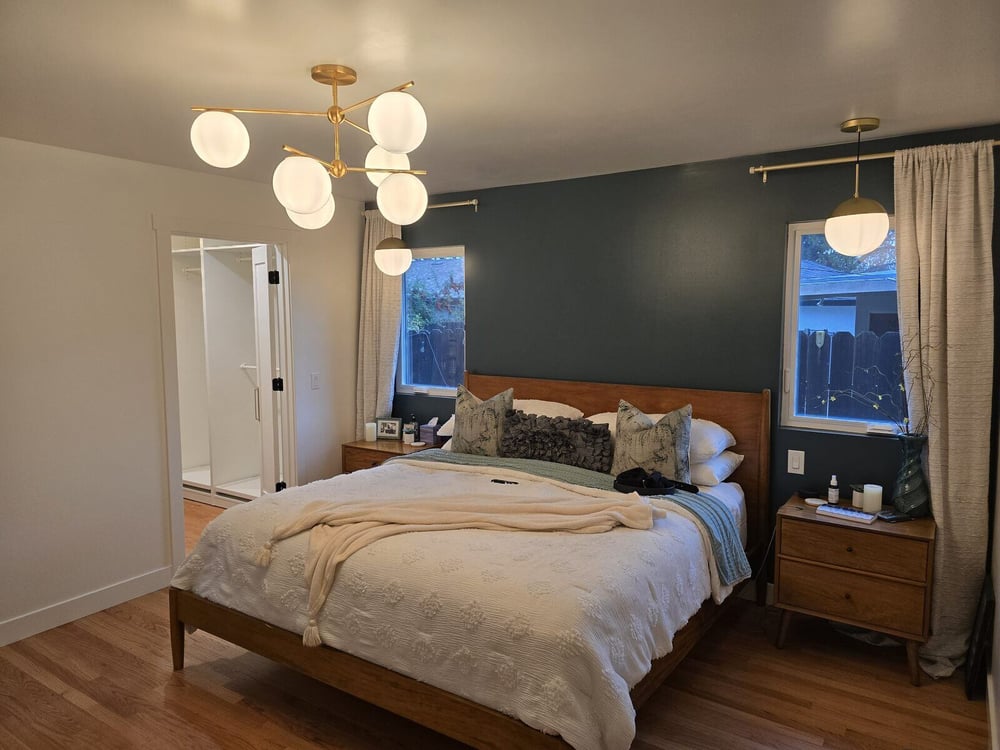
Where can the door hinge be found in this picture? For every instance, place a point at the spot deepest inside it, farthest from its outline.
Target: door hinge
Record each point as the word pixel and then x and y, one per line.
pixel 278 384
pixel 279 486
pixel 273 277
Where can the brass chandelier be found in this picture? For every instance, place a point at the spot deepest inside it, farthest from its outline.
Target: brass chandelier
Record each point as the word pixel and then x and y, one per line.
pixel 301 182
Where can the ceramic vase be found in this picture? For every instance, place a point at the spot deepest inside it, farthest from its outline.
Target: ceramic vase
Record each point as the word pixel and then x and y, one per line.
pixel 912 495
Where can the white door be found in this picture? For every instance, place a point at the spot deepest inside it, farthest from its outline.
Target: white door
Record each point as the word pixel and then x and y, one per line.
pixel 273 381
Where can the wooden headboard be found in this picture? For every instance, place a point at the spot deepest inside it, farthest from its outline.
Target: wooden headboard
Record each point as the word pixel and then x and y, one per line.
pixel 746 415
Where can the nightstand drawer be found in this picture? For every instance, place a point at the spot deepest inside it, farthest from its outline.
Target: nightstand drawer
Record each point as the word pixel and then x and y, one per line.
pixel 355 459
pixel 842 595
pixel 855 548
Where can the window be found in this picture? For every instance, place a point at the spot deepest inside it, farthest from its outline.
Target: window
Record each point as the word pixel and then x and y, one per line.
pixel 842 365
pixel 432 337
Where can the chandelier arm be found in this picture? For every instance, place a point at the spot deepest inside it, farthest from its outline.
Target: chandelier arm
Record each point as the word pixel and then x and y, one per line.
pixel 297 152
pixel 370 99
pixel 296 112
pixel 387 170
pixel 359 127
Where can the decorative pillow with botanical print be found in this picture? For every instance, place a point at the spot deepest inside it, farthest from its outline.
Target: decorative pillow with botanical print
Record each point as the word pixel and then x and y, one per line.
pixel 478 423
pixel 663 446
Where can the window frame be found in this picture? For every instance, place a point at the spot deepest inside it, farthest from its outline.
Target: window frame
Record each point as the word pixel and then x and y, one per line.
pixel 790 322
pixel 441 251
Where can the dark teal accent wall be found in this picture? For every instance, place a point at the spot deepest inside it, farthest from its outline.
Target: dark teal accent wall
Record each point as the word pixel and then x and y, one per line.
pixel 670 276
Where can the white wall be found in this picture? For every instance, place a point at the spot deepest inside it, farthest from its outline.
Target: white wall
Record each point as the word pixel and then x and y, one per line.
pixel 85 505
pixel 192 373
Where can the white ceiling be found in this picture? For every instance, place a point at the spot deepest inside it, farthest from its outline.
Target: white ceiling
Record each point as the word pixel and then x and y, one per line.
pixel 516 91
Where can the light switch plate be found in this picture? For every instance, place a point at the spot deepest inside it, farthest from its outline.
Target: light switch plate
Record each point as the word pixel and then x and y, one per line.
pixel 314 381
pixel 796 462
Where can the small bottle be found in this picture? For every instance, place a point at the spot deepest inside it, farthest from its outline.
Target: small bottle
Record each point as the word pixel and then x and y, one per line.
pixel 833 491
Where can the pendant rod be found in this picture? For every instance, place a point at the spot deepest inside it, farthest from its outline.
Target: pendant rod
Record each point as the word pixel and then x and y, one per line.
pixel 296 112
pixel 764 169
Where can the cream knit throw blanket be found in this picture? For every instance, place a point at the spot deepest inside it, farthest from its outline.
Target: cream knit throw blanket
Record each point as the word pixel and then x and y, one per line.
pixel 339 529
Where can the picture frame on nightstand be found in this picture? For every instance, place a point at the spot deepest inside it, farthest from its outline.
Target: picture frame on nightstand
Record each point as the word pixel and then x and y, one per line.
pixel 389 428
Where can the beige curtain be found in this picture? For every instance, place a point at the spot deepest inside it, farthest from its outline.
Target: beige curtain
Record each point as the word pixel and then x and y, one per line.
pixel 378 332
pixel 944 264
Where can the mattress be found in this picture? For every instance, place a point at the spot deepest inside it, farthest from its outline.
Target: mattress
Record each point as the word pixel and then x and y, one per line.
pixel 552 628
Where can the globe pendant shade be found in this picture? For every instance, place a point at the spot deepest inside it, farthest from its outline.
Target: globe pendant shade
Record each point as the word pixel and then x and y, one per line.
pixel 301 184
pixel 397 122
pixel 393 257
pixel 402 199
pixel 378 157
pixel 220 139
pixel 857 226
pixel 316 219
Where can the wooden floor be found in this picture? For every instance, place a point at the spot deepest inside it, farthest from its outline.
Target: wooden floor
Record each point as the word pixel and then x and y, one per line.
pixel 106 682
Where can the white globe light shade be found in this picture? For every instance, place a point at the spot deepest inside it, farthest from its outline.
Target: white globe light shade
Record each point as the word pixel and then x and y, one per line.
pixel 301 184
pixel 397 122
pixel 378 157
pixel 220 139
pixel 857 226
pixel 316 219
pixel 393 257
pixel 401 198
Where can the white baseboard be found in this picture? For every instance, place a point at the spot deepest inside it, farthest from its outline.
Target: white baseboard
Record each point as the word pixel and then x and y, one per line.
pixel 55 615
pixel 991 700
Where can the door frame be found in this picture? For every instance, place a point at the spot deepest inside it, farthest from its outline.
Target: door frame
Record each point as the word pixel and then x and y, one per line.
pixel 164 227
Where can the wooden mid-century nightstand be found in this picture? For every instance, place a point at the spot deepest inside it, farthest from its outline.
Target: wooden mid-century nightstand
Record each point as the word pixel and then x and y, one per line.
pixel 875 576
pixel 362 454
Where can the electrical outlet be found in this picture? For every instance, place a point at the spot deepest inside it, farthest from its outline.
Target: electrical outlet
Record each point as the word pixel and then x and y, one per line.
pixel 796 462
pixel 314 381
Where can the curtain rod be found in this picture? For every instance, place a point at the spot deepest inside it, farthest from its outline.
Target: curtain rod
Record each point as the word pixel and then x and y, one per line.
pixel 763 170
pixel 473 202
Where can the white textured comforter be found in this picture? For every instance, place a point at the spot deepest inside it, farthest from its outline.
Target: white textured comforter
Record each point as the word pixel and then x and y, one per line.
pixel 553 628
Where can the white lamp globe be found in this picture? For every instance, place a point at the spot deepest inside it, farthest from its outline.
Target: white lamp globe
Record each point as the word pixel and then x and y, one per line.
pixel 401 198
pixel 393 257
pixel 397 122
pixel 378 158
pixel 857 226
pixel 220 139
pixel 316 219
pixel 301 184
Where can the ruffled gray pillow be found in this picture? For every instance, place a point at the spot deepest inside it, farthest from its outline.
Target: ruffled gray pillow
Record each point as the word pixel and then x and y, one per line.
pixel 561 440
pixel 664 446
pixel 478 423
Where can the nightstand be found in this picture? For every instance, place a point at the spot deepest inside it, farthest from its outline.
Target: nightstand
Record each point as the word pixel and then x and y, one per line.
pixel 362 454
pixel 875 576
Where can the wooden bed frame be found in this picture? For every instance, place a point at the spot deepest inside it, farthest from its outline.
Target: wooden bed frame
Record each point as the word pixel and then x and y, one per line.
pixel 746 415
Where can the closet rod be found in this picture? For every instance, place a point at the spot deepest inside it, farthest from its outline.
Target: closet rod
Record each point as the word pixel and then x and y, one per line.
pixel 763 170
pixel 245 366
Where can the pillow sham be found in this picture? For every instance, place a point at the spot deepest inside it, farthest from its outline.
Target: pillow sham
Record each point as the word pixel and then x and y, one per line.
pixel 561 440
pixel 663 445
pixel 708 440
pixel 546 408
pixel 448 428
pixel 478 423
pixel 716 469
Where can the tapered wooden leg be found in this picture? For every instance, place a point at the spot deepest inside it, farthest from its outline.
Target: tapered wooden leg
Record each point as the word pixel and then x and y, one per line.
pixel 176 633
pixel 786 617
pixel 911 657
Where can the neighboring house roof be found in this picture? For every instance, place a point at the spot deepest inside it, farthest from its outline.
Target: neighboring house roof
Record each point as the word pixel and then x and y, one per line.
pixel 815 279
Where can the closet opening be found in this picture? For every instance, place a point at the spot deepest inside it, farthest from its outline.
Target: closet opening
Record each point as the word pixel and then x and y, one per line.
pixel 233 381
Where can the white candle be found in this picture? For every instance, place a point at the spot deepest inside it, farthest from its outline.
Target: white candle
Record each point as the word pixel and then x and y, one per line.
pixel 370 432
pixel 858 499
pixel 873 498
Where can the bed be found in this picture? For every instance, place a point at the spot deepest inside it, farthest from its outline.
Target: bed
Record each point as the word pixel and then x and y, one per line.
pixel 746 415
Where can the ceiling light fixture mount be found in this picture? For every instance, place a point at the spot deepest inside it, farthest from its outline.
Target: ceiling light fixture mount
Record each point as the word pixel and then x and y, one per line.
pixel 858 225
pixel 396 122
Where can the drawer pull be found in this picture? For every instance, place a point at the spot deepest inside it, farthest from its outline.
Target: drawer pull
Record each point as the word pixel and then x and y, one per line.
pixel 850 549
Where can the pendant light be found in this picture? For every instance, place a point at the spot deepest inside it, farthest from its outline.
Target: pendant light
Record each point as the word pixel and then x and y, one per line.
pixel 858 225
pixel 393 256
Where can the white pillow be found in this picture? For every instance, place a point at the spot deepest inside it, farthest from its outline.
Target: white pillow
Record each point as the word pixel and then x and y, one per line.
pixel 708 440
pixel 446 446
pixel 448 428
pixel 546 408
pixel 715 470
